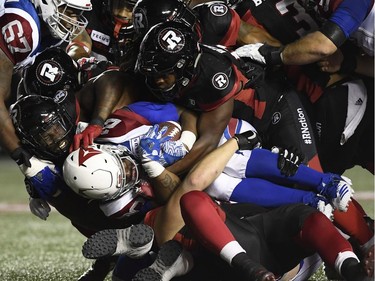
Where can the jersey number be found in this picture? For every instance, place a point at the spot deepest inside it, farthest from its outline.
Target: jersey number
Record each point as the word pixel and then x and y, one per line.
pixel 13 32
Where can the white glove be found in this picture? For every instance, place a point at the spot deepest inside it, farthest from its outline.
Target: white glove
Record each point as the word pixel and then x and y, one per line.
pixel 251 51
pixel 36 166
pixel 39 208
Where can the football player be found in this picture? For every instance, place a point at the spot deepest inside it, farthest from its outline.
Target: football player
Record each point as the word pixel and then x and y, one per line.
pixel 296 225
pixel 28 27
pixel 46 127
pixel 109 34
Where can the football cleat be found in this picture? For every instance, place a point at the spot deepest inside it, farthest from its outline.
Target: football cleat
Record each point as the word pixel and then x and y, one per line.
pixel 99 269
pixel 320 203
pixel 172 260
pixel 326 209
pixel 337 189
pixel 134 241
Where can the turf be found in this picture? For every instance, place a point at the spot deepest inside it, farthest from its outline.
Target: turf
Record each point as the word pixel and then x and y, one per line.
pixel 36 250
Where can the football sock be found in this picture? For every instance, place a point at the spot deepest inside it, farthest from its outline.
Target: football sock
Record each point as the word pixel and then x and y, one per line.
pixel 268 194
pixel 206 220
pixel 263 164
pixel 353 223
pixel 319 234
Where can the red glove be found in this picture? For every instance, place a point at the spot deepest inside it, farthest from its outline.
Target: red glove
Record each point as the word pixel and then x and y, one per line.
pixel 87 136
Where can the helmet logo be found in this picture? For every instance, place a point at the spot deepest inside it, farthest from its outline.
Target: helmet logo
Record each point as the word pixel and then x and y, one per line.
pixel 139 20
pixel 218 10
pixel 48 72
pixel 85 154
pixel 60 96
pixel 220 81
pixel 171 40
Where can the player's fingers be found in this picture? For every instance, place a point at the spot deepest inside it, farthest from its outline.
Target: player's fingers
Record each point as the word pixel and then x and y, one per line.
pixel 77 141
pixel 85 142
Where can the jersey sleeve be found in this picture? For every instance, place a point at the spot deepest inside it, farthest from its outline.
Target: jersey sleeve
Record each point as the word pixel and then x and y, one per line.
pixel 219 24
pixel 155 112
pixel 349 14
pixel 215 81
pixel 20 32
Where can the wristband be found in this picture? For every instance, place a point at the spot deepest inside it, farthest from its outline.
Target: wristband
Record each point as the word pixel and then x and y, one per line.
pixel 97 121
pixel 153 168
pixel 188 138
pixel 334 33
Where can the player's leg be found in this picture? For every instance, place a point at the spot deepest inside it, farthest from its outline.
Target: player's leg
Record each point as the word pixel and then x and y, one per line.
pixel 207 223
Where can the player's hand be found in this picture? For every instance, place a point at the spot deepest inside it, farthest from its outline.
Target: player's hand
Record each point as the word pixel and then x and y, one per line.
pixel 248 140
pixel 260 52
pixel 172 151
pixel 21 156
pixel 288 161
pixel 39 208
pixel 91 67
pixel 149 148
pixel 46 184
pixel 35 165
pixel 87 136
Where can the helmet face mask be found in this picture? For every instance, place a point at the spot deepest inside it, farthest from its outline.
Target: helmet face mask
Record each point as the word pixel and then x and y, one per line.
pixel 148 13
pixel 168 48
pixel 103 172
pixel 64 17
pixel 44 126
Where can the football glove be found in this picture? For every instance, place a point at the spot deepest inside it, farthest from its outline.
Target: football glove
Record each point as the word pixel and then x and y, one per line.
pixel 39 207
pixel 288 161
pixel 149 148
pixel 21 156
pixel 87 136
pixel 248 140
pixel 43 179
pixel 262 53
pixel 172 151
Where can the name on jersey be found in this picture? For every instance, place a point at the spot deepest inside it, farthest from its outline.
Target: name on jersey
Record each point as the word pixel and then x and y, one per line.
pixel 100 37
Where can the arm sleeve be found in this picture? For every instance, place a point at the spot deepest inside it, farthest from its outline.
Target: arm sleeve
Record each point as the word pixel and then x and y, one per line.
pixel 350 14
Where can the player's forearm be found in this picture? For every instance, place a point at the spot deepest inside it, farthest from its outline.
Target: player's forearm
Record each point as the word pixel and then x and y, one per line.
pixel 211 166
pixel 8 138
pixel 365 65
pixel 311 48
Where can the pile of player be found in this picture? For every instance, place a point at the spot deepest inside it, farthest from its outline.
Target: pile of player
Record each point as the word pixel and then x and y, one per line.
pixel 273 101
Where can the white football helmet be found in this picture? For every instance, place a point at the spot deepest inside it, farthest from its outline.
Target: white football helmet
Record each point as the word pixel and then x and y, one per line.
pixel 63 17
pixel 102 172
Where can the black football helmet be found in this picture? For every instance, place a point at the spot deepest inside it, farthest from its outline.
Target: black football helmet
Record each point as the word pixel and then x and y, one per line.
pixel 44 125
pixel 124 47
pixel 168 48
pixel 53 70
pixel 147 13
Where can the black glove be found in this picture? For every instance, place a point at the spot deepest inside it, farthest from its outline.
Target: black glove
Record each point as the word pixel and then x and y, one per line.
pixel 248 140
pixel 272 55
pixel 21 156
pixel 288 161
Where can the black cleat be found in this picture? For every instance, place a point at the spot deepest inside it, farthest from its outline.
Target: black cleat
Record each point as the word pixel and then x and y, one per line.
pixel 172 260
pixel 134 241
pixel 99 269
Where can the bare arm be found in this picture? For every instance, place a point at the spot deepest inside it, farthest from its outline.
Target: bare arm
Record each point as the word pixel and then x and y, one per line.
pixel 169 219
pixel 250 34
pixel 311 48
pixel 80 47
pixel 210 127
pixel 106 93
pixel 8 137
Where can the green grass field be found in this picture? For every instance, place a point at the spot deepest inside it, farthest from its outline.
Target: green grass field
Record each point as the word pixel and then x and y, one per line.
pixel 36 250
